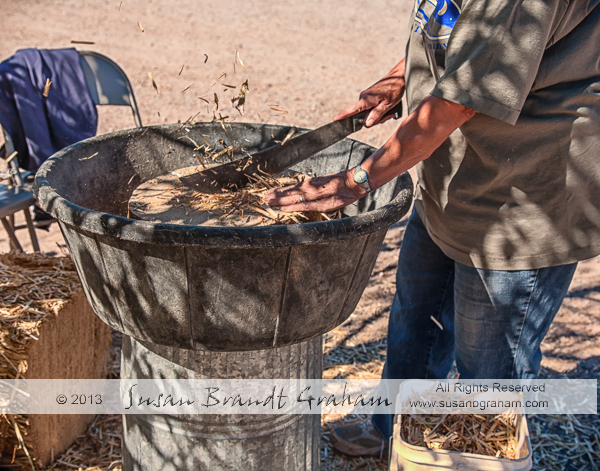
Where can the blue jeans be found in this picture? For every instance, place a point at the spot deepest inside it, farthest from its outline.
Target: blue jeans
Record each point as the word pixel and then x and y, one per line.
pixel 494 321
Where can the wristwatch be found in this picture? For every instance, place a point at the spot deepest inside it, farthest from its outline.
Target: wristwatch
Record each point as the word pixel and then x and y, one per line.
pixel 362 178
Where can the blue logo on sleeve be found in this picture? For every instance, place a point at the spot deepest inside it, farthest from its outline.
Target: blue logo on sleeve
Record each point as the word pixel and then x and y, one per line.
pixel 446 13
pixel 435 19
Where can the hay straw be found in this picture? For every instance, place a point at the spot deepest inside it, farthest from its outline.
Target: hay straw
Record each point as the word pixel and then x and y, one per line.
pixel 239 59
pixel 239 101
pixel 47 88
pixel 98 449
pixel 153 83
pixel 88 158
pixel 561 442
pixel 490 435
pixel 33 289
pixel 437 322
pixel 288 136
pixel 248 201
pixel 21 441
pixel 278 110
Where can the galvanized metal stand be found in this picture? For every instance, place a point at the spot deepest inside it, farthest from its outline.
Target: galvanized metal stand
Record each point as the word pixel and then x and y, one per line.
pixel 221 442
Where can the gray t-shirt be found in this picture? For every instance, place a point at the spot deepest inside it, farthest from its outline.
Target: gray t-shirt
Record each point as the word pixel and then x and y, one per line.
pixel 518 186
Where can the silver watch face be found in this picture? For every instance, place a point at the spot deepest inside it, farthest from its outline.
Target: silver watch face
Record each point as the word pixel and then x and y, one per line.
pixel 361 176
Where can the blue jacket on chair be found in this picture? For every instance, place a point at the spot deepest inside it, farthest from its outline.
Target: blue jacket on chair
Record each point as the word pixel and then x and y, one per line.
pixel 40 126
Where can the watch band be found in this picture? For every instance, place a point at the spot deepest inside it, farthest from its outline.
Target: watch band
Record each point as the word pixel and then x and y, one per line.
pixel 362 178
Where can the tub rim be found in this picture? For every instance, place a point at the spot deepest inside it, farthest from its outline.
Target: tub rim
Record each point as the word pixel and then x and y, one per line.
pixel 134 230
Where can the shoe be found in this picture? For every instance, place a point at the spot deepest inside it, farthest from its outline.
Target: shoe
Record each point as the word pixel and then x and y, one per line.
pixel 359 439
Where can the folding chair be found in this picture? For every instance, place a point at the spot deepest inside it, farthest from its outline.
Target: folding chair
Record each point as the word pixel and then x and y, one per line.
pixel 107 82
pixel 15 198
pixel 108 85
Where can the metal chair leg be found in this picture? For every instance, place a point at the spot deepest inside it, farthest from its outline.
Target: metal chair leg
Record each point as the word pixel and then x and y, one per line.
pixel 32 234
pixel 11 235
pixel 11 223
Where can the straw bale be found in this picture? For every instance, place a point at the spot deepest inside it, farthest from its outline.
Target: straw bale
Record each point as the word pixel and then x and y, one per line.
pixel 47 330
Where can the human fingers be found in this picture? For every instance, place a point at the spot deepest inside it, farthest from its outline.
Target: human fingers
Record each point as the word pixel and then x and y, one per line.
pixel 312 189
pixel 323 202
pixel 325 193
pixel 287 199
pixel 377 114
pixel 353 109
pixel 282 192
pixel 322 205
pixel 295 194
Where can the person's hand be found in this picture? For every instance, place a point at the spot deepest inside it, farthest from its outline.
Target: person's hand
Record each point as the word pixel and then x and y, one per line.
pixel 381 97
pixel 326 193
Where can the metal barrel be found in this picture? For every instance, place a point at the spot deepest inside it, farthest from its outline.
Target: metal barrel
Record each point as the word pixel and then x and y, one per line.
pixel 221 442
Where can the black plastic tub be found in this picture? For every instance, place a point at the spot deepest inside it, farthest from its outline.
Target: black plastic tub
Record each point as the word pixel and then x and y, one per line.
pixel 211 288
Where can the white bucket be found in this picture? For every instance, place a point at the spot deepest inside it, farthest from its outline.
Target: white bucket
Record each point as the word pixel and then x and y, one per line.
pixel 406 457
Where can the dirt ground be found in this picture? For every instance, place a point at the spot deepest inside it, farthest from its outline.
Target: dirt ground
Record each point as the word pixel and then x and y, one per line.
pixel 304 62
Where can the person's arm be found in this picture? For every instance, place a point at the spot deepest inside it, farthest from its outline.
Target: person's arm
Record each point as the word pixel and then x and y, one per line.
pixel 421 133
